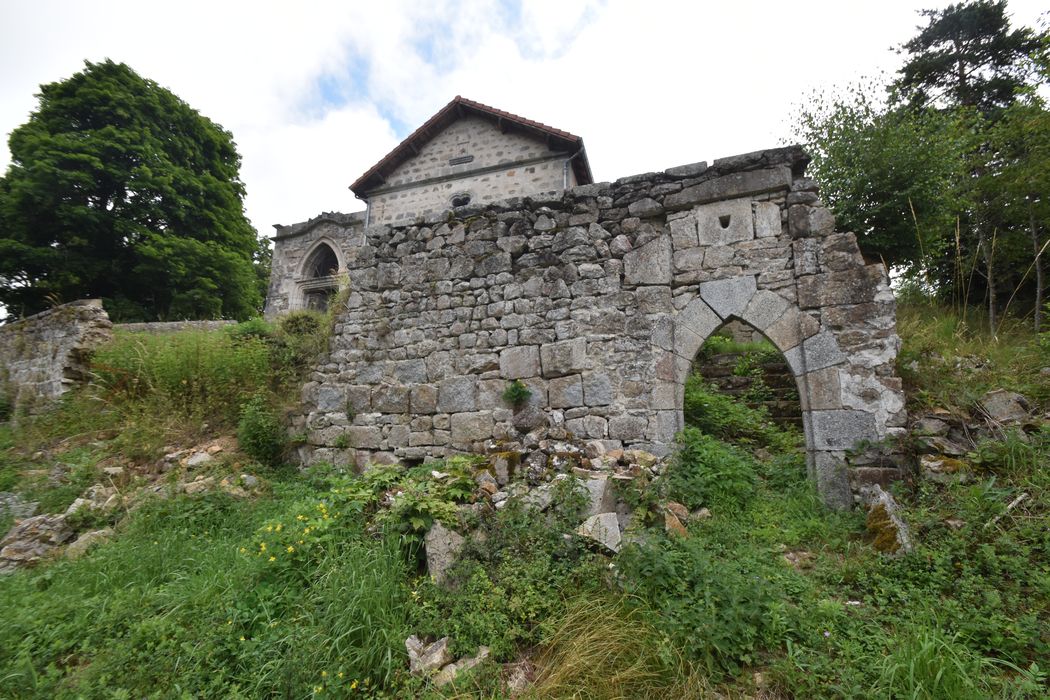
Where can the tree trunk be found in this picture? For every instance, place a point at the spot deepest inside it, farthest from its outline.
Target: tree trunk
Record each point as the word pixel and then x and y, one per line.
pixel 1038 267
pixel 989 261
pixel 992 298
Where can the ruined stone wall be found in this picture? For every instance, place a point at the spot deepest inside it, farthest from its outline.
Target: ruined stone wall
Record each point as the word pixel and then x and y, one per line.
pixel 42 356
pixel 511 164
pixel 598 300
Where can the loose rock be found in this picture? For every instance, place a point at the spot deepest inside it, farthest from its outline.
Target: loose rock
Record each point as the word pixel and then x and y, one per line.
pixel 423 657
pixel 33 539
pixel 442 546
pixel 603 529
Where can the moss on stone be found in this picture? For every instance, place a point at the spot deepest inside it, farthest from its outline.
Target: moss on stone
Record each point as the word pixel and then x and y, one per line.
pixel 881 525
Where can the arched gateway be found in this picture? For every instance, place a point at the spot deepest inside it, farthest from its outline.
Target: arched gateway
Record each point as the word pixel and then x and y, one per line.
pixel 598 299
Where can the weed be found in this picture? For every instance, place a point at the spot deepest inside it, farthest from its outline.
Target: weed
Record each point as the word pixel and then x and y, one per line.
pixel 517 393
pixel 708 472
pixel 260 434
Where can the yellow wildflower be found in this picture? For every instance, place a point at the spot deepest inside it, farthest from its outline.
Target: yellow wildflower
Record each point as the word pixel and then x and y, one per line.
pixel 324 674
pixel 269 528
pixel 262 546
pixel 290 549
pixel 278 528
pixel 229 622
pixel 340 674
pixel 300 517
pixel 353 685
pixel 242 637
pixel 273 558
pixel 243 550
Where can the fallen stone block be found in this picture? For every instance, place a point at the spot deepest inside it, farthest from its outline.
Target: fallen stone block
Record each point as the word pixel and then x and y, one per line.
pixel 442 547
pixel 424 658
pixel 604 529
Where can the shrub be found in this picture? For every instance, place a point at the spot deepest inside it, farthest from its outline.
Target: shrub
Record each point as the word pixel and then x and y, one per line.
pixel 260 434
pixel 252 328
pixel 301 323
pixel 300 338
pixel 708 472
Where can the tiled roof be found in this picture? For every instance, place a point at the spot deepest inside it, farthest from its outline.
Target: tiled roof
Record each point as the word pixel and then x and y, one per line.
pixel 458 107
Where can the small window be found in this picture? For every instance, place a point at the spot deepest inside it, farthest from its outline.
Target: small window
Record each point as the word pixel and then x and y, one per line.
pixel 460 200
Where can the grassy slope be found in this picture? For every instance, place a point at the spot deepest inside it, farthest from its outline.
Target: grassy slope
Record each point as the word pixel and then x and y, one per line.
pixel 174 605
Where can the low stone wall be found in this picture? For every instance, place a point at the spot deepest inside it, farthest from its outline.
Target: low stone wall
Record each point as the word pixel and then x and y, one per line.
pixel 172 326
pixel 598 300
pixel 43 355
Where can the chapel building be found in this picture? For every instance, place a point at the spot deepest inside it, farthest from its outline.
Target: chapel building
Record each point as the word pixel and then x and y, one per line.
pixel 468 154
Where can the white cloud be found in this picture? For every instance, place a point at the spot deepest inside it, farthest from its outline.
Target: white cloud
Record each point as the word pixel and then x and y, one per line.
pixel 648 84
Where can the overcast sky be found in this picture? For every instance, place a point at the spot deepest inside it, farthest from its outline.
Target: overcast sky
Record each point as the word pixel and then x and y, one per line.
pixel 316 92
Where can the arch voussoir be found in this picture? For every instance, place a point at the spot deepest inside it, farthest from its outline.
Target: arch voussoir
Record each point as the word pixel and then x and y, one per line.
pixel 729 297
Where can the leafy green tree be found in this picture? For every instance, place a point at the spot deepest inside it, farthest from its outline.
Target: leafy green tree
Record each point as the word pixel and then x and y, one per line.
pixel 890 175
pixel 118 189
pixel 1017 187
pixel 967 55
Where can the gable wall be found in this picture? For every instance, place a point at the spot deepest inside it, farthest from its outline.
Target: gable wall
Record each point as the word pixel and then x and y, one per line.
pixel 530 168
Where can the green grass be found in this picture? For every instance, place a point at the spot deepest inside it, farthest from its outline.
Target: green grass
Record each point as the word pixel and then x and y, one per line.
pixel 950 361
pixel 314 584
pixel 173 605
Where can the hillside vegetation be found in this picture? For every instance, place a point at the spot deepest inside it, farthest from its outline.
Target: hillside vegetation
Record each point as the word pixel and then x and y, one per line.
pixel 235 575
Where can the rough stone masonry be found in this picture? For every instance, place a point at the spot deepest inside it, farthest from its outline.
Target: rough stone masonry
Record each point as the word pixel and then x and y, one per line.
pixel 44 355
pixel 598 299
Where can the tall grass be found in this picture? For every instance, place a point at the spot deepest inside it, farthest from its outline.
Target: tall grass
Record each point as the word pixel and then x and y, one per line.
pixel 951 361
pixel 603 649
pixel 195 373
pixel 927 664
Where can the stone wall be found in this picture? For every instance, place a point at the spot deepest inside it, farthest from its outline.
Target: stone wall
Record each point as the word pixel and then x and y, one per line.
pixel 598 300
pixel 42 356
pixel 172 326
pixel 504 164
